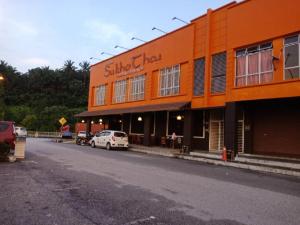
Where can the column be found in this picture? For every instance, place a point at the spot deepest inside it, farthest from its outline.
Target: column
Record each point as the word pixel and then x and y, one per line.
pixel 188 129
pixel 147 128
pixel 88 125
pixel 230 134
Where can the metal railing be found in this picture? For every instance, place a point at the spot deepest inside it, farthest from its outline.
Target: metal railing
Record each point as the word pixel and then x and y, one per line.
pixel 45 134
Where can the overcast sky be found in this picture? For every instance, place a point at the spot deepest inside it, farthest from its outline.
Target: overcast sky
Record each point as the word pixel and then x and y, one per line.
pixel 46 33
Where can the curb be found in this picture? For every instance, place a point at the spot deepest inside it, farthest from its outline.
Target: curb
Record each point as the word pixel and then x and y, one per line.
pixel 222 163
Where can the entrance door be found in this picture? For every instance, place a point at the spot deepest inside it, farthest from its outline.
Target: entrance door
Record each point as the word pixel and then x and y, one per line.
pixel 216 138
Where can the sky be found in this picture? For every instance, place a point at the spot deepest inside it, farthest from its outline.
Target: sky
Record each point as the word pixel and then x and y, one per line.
pixel 37 33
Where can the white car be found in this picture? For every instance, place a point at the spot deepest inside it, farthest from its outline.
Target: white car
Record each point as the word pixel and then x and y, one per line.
pixel 21 131
pixel 110 139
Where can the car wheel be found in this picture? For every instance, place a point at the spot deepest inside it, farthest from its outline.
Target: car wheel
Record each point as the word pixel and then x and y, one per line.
pixel 108 146
pixel 93 144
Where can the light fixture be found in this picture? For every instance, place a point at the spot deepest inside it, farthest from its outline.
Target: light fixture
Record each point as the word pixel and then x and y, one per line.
pixel 135 38
pixel 100 123
pixel 1 77
pixel 100 120
pixel 176 18
pixel 82 121
pixel 120 121
pixel 92 122
pixel 140 118
pixel 118 46
pixel 107 53
pixel 155 28
pixel 179 117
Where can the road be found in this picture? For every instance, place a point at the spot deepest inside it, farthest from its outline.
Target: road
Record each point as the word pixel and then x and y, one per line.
pixel 66 184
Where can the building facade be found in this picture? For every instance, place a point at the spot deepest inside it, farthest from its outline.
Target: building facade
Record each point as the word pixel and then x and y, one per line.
pixel 228 78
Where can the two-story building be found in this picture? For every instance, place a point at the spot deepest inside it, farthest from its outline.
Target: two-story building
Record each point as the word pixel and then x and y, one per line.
pixel 228 78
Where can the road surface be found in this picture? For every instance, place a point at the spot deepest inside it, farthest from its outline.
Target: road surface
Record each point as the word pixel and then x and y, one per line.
pixel 66 184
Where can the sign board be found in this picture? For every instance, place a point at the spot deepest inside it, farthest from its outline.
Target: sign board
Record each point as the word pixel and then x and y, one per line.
pixel 62 121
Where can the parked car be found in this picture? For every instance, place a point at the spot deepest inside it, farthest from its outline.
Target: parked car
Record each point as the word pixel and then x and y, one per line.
pixel 110 139
pixel 21 131
pixel 7 138
pixel 84 138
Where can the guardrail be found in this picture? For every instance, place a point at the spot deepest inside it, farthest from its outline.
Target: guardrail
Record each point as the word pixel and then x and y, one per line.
pixel 44 134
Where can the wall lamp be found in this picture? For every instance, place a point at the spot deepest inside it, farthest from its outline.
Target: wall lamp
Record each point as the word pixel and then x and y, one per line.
pixel 140 118
pixel 118 46
pixel 179 117
pixel 82 121
pixel 176 18
pixel 107 53
pixel 135 38
pixel 155 28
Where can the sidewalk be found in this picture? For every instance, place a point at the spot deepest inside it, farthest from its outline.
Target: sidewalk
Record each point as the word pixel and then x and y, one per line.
pixel 268 165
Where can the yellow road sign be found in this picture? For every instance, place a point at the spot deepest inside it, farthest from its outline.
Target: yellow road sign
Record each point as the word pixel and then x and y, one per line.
pixel 62 121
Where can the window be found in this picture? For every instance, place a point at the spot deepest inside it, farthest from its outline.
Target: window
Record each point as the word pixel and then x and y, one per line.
pixel 137 88
pixel 169 81
pixel 218 82
pixel 100 95
pixel 254 65
pixel 291 57
pixel 120 91
pixel 199 70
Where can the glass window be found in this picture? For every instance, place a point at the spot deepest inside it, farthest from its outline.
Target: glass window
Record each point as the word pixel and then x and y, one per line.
pixel 218 82
pixel 100 93
pixel 254 65
pixel 291 57
pixel 137 88
pixel 120 91
pixel 169 81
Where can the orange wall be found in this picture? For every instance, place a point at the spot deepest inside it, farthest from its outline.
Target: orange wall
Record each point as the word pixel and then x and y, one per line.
pixel 172 49
pixel 227 28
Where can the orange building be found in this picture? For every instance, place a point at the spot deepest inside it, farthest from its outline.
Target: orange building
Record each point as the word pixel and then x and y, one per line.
pixel 228 78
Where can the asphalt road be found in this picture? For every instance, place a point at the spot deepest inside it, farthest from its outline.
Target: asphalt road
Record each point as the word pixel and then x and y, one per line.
pixel 60 184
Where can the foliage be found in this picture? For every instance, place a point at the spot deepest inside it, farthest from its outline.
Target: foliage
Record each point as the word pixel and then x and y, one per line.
pixel 38 98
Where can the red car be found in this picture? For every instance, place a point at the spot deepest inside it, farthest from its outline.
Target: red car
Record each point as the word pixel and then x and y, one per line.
pixel 7 137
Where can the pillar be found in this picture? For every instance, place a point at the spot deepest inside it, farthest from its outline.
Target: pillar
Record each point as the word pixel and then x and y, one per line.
pixel 188 129
pixel 230 134
pixel 88 125
pixel 147 129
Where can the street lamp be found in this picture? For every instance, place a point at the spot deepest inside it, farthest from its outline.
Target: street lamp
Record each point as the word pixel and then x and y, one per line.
pixel 94 58
pixel 155 28
pixel 118 46
pixel 176 18
pixel 135 38
pixel 107 53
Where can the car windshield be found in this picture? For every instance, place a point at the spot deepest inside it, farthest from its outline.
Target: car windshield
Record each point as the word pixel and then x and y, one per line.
pixel 3 126
pixel 119 134
pixel 23 129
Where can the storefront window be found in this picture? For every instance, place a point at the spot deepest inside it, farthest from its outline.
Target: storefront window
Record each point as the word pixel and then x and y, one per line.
pixel 169 81
pixel 175 123
pixel 198 121
pixel 137 124
pixel 291 57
